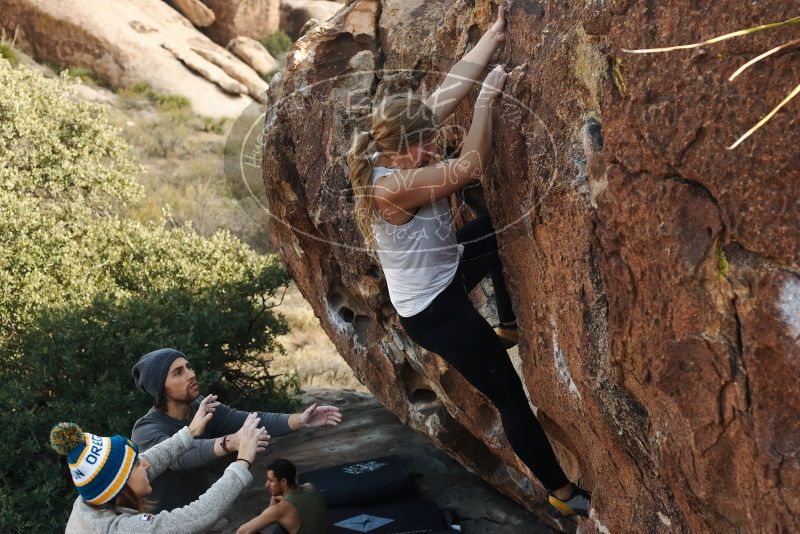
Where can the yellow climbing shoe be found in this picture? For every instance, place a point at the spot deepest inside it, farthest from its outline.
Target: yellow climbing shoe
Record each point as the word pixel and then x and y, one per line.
pixel 509 335
pixel 578 504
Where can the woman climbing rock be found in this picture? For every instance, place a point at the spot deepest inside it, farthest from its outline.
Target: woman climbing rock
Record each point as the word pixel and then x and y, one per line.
pixel 402 210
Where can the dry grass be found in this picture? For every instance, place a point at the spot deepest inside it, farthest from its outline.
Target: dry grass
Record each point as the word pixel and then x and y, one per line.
pixel 308 349
pixel 183 154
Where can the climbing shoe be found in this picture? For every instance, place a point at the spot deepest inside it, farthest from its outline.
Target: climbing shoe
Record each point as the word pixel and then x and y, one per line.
pixel 508 334
pixel 578 504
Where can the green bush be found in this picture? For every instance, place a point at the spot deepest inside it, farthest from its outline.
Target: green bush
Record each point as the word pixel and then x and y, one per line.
pixel 84 292
pixel 171 102
pixel 163 135
pixel 212 125
pixel 85 75
pixel 7 52
pixel 162 101
pixel 277 43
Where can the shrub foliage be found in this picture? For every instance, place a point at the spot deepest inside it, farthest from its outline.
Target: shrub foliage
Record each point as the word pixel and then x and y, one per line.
pixel 278 43
pixel 84 292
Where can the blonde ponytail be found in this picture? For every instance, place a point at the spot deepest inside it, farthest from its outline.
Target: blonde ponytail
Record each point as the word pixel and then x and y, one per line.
pixel 396 121
pixel 359 159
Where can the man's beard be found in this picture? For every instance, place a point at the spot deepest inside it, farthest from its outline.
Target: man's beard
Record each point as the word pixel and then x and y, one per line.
pixel 187 398
pixel 191 397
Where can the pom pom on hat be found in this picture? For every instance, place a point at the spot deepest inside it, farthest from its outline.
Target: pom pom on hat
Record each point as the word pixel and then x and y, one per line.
pixel 66 436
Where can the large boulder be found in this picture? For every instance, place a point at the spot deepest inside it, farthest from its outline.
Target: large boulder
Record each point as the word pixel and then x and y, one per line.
pixel 655 274
pixel 251 18
pixel 129 41
pixel 296 13
pixel 254 54
pixel 194 10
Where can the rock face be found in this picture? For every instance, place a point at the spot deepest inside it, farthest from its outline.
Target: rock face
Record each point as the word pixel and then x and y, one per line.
pixel 655 274
pixel 296 13
pixel 125 42
pixel 254 54
pixel 251 18
pixel 194 10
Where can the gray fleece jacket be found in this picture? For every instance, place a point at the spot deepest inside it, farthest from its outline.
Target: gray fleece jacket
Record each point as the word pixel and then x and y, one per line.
pixel 194 518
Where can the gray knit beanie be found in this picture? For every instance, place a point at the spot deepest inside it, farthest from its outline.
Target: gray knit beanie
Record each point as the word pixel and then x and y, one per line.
pixel 150 372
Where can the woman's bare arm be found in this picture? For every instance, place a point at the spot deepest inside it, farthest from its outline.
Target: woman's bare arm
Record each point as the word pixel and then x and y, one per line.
pixel 406 189
pixel 467 72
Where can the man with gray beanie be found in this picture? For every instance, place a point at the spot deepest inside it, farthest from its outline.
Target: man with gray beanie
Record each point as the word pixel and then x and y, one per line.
pixel 168 377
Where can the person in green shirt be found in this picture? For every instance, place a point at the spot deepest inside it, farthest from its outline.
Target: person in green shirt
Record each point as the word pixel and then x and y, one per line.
pixel 292 509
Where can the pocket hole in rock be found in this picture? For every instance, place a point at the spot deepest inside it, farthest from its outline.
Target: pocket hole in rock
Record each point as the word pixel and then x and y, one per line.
pixel 417 389
pixel 346 314
pixel 422 396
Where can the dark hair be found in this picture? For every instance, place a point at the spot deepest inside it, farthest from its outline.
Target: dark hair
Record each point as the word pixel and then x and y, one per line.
pixel 283 469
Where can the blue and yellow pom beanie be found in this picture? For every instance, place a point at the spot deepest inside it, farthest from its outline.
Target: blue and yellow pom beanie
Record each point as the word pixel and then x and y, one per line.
pixel 100 466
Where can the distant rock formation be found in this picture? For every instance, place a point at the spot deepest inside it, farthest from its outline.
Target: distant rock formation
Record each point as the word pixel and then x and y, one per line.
pixel 296 13
pixel 254 54
pixel 250 18
pixel 194 10
pixel 131 41
pixel 655 274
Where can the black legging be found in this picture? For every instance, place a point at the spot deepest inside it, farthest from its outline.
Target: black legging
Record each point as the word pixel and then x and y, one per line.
pixel 452 328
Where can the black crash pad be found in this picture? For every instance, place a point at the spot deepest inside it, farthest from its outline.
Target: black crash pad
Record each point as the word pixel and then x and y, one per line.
pixel 365 482
pixel 402 517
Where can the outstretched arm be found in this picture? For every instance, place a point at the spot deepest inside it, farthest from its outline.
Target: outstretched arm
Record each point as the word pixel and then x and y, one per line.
pixel 204 512
pixel 164 453
pixel 229 420
pixel 468 71
pixel 196 517
pixel 150 434
pixel 278 424
pixel 316 415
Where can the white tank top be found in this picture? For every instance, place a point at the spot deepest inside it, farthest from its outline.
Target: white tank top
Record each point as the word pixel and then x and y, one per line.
pixel 419 258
